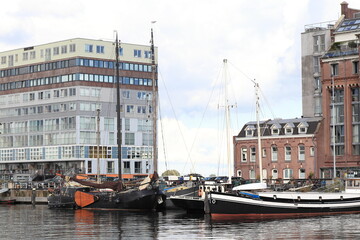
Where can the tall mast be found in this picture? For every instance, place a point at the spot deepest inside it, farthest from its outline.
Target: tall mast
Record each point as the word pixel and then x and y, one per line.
pixel 333 125
pixel 98 145
pixel 227 119
pixel 118 106
pixel 154 103
pixel 258 129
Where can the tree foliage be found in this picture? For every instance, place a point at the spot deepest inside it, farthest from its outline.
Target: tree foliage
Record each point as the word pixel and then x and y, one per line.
pixel 170 173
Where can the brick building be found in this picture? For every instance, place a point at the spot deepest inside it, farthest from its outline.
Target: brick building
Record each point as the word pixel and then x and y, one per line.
pixel 340 98
pixel 288 149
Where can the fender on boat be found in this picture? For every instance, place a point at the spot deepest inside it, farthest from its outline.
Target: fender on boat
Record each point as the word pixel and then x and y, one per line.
pixel 83 199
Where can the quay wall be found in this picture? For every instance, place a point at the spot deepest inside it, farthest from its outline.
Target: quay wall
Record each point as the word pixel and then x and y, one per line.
pixel 25 196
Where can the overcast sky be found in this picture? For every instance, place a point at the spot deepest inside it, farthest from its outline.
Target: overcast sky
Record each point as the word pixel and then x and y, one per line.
pixel 260 39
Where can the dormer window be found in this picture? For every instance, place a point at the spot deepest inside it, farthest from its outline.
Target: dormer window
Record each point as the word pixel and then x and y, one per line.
pixel 302 127
pixel 289 128
pixel 275 129
pixel 249 131
pixel 302 130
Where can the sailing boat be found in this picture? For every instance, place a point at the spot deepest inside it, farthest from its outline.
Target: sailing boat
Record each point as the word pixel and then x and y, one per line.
pixel 196 200
pixel 112 195
pixel 242 204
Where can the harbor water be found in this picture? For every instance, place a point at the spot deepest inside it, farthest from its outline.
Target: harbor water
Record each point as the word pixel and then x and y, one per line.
pixel 39 222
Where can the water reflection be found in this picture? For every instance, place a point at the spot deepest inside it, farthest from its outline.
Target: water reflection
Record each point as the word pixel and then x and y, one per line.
pixel 27 222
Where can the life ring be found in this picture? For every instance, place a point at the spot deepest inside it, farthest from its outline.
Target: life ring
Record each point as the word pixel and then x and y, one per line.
pixel 213 201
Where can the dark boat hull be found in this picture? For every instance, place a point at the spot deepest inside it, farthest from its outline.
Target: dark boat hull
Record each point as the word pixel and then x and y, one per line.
pixel 231 206
pixel 190 204
pixel 186 191
pixel 146 199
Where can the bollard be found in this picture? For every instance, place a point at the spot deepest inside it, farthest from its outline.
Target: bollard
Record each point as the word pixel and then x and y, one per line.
pixel 33 196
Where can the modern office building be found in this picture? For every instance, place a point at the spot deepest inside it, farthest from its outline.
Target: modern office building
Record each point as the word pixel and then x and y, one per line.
pixel 58 104
pixel 287 149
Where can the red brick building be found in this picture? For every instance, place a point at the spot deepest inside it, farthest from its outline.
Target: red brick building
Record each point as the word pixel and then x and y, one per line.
pixel 340 72
pixel 287 149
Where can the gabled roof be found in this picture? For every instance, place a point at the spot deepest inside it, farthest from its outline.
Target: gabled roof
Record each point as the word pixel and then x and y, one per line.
pixel 265 126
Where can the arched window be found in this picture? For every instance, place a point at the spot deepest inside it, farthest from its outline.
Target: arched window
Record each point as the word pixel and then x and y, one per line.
pixel 302 173
pixel 239 173
pixel 275 174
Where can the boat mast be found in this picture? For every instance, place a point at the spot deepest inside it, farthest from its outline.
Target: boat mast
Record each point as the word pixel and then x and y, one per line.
pixel 227 118
pixel 154 103
pixel 333 125
pixel 258 129
pixel 98 145
pixel 118 106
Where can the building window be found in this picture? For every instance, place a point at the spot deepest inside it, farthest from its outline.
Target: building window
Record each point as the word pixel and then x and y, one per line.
pixel 287 153
pixel 126 167
pixel 264 152
pixel 317 83
pixel 147 54
pixel 130 108
pixel 3 60
pixel 316 64
pixel 126 94
pixel 312 151
pixel 302 127
pixel 129 138
pixel 239 173
pixel 355 67
pixel 274 153
pixel 319 43
pixel 72 47
pixel 274 174
pixel 25 56
pixel 252 154
pixel 249 130
pixel 137 53
pixel 243 154
pixel 89 166
pixel 275 131
pixel 110 167
pixel 302 173
pixel 88 48
pixel 252 174
pixel 32 55
pixel 127 124
pixel 301 153
pixel 99 49
pixel 56 50
pixel 334 69
pixel 288 173
pixel 138 167
pixel 288 130
pixel 64 49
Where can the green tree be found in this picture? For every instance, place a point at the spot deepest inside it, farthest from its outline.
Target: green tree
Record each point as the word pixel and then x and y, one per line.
pixel 170 173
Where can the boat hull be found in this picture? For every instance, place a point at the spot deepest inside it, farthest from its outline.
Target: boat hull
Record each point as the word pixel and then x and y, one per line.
pixel 190 204
pixel 134 199
pixel 231 206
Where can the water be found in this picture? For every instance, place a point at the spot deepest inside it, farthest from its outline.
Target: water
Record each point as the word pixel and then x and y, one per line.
pixel 39 222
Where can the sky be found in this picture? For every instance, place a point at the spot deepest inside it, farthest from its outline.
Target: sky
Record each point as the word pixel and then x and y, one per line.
pixel 259 38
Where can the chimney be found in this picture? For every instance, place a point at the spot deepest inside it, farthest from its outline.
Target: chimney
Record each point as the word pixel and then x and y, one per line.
pixel 344 9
